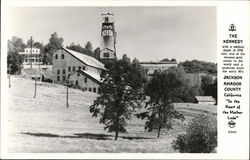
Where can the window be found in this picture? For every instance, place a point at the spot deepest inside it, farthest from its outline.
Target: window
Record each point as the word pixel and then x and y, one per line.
pixel 58 78
pixel 83 67
pixel 94 90
pixel 62 56
pixel 74 68
pixel 90 89
pixel 76 82
pixel 98 90
pixel 63 78
pixel 63 71
pixel 106 55
pixel 69 69
pixel 79 67
pixel 78 74
pixel 56 56
pixel 85 80
pixel 58 71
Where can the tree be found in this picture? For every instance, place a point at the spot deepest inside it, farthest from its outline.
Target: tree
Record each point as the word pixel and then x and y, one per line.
pixel 16 45
pixel 77 48
pixel 120 95
pixel 55 43
pixel 97 53
pixel 88 46
pixel 137 65
pixel 196 66
pixel 89 49
pixel 200 137
pixel 160 110
pixel 14 60
pixel 126 58
pixel 39 45
pixel 214 90
pixel 207 85
pixel 173 60
pixel 29 43
pixel 164 60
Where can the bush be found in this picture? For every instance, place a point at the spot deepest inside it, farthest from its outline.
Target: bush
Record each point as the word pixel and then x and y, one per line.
pixel 200 137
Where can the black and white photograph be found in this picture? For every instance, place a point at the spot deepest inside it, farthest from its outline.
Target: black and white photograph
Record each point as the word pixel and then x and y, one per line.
pixel 113 79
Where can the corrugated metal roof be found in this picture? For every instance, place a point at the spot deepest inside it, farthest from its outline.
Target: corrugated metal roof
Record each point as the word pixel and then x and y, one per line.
pixel 205 98
pixel 96 76
pixel 91 61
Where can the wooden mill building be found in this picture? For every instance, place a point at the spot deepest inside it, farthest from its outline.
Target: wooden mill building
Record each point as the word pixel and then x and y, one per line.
pixel 77 68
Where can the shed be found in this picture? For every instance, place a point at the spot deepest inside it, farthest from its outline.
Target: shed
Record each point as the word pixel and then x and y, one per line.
pixel 205 100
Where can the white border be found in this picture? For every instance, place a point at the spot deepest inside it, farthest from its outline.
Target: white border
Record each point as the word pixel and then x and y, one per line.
pixel 226 11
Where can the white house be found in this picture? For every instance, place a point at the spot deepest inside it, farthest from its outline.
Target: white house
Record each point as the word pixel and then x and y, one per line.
pixel 33 56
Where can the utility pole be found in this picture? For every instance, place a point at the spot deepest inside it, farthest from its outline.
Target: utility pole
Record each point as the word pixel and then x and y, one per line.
pixel 9 70
pixel 31 53
pixel 35 86
pixel 39 61
pixel 9 81
pixel 67 95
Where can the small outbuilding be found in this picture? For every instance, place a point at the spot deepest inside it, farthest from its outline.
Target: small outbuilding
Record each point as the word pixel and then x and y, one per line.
pixel 86 80
pixel 209 100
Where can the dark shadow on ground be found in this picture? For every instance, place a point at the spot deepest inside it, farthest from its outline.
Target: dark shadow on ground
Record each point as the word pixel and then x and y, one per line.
pixel 93 136
pixel 84 135
pixel 134 138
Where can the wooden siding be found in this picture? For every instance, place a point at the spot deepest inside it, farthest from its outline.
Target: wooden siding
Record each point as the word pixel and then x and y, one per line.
pixel 90 84
pixel 68 61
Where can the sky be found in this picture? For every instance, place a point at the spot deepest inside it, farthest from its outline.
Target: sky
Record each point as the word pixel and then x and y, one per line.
pixel 147 33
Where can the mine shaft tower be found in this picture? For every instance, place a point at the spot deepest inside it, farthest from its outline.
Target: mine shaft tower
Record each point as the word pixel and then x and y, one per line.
pixel 108 38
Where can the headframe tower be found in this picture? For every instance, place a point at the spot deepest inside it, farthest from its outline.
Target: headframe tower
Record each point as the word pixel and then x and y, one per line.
pixel 108 38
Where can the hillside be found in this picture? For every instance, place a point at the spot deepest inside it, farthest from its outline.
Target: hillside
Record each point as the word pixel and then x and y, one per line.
pixel 44 124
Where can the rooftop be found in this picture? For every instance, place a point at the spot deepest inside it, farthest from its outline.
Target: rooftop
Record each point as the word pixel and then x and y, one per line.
pixel 93 75
pixel 205 98
pixel 88 60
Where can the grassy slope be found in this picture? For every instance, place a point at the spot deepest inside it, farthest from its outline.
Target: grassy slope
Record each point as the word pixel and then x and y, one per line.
pixel 44 124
